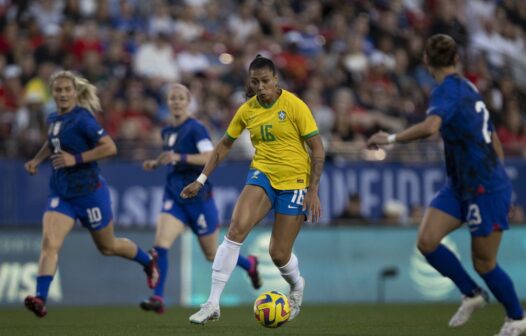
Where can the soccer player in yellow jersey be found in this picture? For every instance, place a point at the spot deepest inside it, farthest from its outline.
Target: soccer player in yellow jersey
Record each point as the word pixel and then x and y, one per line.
pixel 284 176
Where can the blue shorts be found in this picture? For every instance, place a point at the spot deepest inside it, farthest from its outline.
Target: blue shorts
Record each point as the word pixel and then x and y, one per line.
pixel 286 202
pixel 92 210
pixel 482 214
pixel 202 217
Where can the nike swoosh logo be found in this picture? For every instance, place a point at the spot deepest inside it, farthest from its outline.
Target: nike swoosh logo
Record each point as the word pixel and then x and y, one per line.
pixel 292 207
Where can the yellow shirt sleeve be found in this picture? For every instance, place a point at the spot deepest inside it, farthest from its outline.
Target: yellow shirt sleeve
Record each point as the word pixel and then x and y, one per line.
pixel 237 124
pixel 305 121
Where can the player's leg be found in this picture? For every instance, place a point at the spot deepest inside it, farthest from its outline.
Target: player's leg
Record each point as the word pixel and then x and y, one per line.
pixel 109 245
pixel 252 206
pixel 437 224
pixel 55 229
pixel 484 250
pixel 284 233
pixel 168 229
pixel 487 218
pixel 208 240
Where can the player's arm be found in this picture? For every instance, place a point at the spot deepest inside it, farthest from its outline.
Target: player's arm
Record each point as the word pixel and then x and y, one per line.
pixel 169 157
pixel 105 148
pixel 317 157
pixel 43 154
pixel 422 130
pixel 219 153
pixel 497 146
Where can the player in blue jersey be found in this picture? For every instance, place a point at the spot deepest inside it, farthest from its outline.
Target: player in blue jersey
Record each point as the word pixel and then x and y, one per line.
pixel 75 143
pixel 477 191
pixel 186 148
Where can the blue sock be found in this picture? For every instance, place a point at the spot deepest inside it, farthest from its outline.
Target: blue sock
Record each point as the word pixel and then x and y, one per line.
pixel 502 288
pixel 244 263
pixel 162 264
pixel 43 283
pixel 142 257
pixel 445 262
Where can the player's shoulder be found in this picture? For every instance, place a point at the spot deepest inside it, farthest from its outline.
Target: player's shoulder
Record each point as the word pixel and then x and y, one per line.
pixel 83 113
pixel 195 124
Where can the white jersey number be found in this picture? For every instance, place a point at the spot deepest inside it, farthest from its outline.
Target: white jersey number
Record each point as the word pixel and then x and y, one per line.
pixel 481 107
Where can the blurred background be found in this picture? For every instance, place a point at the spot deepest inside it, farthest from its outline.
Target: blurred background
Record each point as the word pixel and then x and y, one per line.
pixel 357 64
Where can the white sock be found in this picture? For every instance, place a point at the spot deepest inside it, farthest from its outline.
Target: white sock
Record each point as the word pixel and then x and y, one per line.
pixel 224 263
pixel 291 271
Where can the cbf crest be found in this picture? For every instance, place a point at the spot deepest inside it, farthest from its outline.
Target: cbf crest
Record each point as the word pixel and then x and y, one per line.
pixel 282 116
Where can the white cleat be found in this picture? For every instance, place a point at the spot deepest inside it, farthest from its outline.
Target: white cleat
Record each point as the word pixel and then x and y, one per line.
pixel 513 327
pixel 467 307
pixel 296 298
pixel 208 312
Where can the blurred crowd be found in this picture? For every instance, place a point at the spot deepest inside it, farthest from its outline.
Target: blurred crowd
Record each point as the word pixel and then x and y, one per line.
pixel 357 64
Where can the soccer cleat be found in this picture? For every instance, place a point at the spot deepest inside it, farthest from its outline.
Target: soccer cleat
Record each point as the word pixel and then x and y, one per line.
pixel 154 303
pixel 296 298
pixel 208 312
pixel 513 327
pixel 36 305
pixel 253 272
pixel 467 307
pixel 151 270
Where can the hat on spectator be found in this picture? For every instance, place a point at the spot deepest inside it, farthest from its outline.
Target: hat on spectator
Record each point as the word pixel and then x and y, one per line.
pixel 12 71
pixel 51 30
pixel 34 97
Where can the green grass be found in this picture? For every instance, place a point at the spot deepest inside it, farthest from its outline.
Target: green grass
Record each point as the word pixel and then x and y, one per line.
pixel 359 320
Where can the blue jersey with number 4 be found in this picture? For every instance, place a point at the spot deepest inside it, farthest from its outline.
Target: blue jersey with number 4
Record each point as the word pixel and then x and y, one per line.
pixel 74 132
pixel 191 137
pixel 473 167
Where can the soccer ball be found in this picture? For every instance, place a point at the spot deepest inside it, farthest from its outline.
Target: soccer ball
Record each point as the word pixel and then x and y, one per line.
pixel 272 309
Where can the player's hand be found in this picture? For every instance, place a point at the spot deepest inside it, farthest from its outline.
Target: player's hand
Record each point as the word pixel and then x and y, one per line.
pixel 168 157
pixel 150 164
pixel 62 159
pixel 378 139
pixel 312 204
pixel 31 167
pixel 191 190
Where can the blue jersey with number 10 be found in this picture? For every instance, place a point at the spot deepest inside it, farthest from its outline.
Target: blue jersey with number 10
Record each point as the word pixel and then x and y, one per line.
pixel 473 167
pixel 74 132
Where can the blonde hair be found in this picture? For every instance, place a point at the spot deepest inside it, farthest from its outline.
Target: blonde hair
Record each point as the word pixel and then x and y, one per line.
pixel 86 92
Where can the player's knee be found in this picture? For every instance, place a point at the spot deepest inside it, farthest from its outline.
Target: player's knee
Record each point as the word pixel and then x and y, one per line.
pixel 483 266
pixel 279 257
pixel 426 244
pixel 106 250
pixel 50 246
pixel 234 233
pixel 209 256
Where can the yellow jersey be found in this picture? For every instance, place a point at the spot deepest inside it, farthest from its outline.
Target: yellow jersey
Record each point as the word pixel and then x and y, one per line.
pixel 278 133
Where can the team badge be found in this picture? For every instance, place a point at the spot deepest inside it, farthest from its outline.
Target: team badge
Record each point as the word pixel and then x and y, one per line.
pixel 282 115
pixel 56 128
pixel 54 202
pixel 171 139
pixel 168 204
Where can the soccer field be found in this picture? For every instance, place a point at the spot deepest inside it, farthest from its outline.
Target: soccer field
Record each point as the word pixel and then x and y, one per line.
pixel 359 320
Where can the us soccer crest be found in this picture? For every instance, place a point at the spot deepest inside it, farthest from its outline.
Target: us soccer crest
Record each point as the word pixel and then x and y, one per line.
pixel 54 128
pixel 171 139
pixel 282 115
